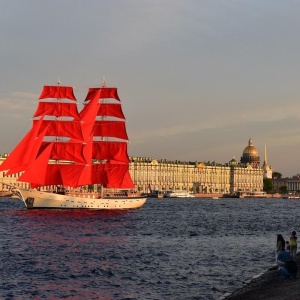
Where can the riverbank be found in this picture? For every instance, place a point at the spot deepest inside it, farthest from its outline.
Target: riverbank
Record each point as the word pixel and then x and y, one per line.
pixel 268 285
pixel 218 195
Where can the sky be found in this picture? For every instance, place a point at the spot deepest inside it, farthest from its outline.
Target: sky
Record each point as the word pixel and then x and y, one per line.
pixel 197 78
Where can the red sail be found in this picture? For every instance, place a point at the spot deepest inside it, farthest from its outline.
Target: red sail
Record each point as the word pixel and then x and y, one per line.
pixel 116 151
pixel 62 128
pixel 56 174
pixel 67 175
pixel 57 92
pixel 115 129
pixel 127 181
pixel 105 93
pixel 23 152
pixel 70 151
pixel 76 176
pixel 112 176
pixel 57 109
pixel 88 116
pixel 53 175
pixel 111 109
pixel 119 178
pixel 35 171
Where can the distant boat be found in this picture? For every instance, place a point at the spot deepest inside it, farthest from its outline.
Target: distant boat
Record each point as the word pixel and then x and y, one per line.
pixel 291 197
pixel 67 149
pixel 215 198
pixel 154 194
pixel 178 195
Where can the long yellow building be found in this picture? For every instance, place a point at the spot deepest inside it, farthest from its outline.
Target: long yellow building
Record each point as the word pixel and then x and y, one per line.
pixel 245 176
pixel 203 177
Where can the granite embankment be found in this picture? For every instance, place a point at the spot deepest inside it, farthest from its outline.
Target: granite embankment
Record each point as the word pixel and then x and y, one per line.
pixel 219 195
pixel 269 286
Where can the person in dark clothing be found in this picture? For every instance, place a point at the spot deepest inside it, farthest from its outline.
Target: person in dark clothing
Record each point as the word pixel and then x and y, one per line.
pixel 280 245
pixel 286 265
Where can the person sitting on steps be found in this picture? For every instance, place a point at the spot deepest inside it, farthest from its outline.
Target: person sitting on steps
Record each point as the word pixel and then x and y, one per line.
pixel 286 265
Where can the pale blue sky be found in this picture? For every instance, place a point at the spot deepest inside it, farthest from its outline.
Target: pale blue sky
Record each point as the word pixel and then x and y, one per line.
pixel 197 78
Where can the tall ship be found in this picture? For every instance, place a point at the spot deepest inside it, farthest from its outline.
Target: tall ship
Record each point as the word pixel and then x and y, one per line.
pixel 70 149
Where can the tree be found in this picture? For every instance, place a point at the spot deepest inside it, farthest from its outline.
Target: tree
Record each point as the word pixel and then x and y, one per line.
pixel 283 190
pixel 268 185
pixel 276 175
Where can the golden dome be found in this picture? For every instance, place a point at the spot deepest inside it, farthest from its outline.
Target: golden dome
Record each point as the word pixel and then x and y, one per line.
pixel 250 149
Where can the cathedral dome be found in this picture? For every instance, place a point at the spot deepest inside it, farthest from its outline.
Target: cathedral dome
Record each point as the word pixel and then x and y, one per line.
pixel 250 150
pixel 250 156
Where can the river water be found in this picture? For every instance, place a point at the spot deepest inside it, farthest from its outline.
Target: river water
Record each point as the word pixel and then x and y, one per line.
pixel 168 249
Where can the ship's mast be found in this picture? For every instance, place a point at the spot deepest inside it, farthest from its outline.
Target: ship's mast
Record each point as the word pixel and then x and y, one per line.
pixel 57 117
pixel 101 186
pixel 57 188
pixel 104 82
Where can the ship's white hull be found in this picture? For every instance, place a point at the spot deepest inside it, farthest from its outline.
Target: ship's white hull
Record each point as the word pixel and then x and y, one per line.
pixel 37 199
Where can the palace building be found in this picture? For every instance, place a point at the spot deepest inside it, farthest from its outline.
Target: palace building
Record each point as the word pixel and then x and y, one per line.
pixel 245 176
pixel 148 174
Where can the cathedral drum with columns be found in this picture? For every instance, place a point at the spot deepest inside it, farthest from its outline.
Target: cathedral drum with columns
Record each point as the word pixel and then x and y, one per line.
pixel 250 156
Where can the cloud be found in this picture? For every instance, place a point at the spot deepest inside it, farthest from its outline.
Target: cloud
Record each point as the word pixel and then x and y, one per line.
pixel 17 106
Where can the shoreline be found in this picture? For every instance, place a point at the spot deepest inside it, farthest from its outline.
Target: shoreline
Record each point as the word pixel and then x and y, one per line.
pixel 267 285
pixel 221 196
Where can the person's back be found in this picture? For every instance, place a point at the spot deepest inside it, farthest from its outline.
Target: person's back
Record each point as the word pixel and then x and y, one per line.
pixel 280 245
pixel 283 256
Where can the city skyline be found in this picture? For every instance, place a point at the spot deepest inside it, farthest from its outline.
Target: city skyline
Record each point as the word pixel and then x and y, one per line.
pixel 197 79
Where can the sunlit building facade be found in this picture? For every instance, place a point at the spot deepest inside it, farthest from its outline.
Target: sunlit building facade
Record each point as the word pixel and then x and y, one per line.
pixel 198 177
pixel 293 184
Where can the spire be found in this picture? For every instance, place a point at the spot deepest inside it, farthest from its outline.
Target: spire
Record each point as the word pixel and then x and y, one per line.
pixel 265 158
pixel 268 170
pixel 58 82
pixel 250 142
